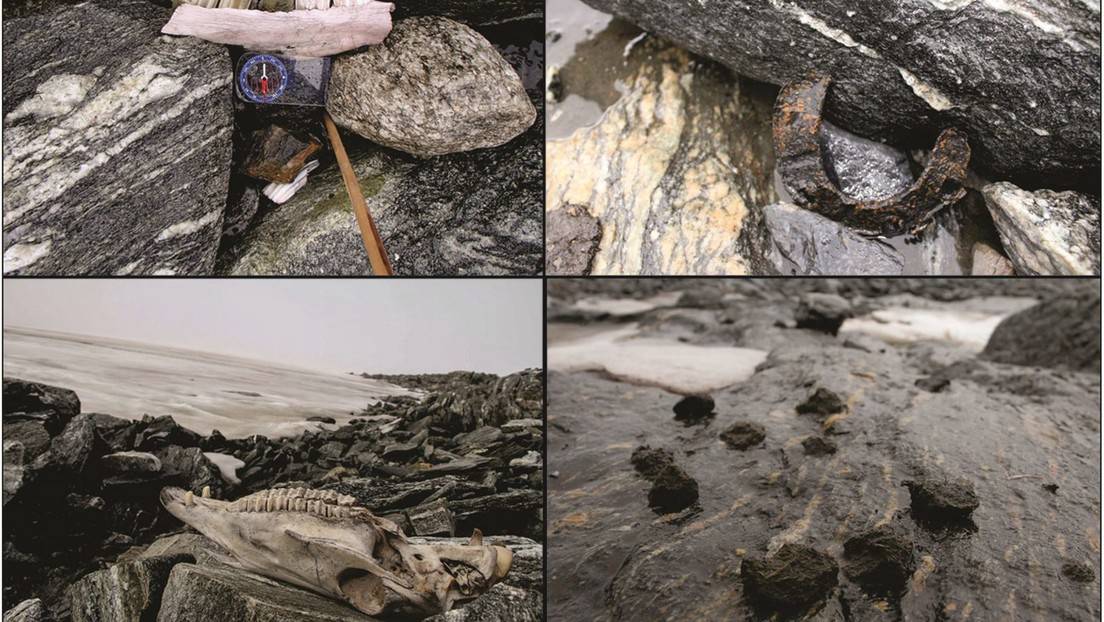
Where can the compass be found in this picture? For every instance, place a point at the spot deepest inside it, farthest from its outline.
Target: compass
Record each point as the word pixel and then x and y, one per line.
pixel 262 79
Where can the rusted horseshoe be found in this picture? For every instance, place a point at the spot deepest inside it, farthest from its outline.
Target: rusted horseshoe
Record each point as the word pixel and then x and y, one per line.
pixel 803 164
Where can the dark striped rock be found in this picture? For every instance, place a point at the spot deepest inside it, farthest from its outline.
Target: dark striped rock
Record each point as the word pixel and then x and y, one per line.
pixel 674 169
pixel 473 12
pixel 116 143
pixel 1022 79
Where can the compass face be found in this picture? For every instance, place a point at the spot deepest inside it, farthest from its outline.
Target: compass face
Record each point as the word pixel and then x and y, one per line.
pixel 263 79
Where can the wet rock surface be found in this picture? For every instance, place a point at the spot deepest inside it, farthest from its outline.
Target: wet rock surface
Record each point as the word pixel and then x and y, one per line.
pixel 84 525
pixel 434 86
pixel 115 161
pixel 1045 232
pixel 904 71
pixel 1050 334
pixel 1006 429
pixel 803 243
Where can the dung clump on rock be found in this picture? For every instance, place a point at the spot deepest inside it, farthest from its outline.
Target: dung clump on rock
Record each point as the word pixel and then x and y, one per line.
pixel 649 462
pixel 880 559
pixel 795 577
pixel 941 501
pixel 673 490
pixel 694 408
pixel 822 312
pixel 822 402
pixel 818 446
pixel 744 435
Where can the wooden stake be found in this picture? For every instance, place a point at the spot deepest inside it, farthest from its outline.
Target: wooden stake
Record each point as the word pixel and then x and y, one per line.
pixel 377 256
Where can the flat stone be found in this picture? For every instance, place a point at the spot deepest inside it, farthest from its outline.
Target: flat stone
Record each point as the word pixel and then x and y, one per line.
pixel 572 236
pixel 131 463
pixel 1046 232
pixel 126 592
pixel 117 143
pixel 434 86
pixel 803 243
pixel 197 593
pixel 433 519
pixel 1023 84
pixel 672 171
pixel 277 155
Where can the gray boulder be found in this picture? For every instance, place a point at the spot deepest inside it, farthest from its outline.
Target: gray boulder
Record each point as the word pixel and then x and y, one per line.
pixel 804 243
pixel 117 143
pixel 125 592
pixel 1046 232
pixel 1021 79
pixel 434 86
pixel 1062 331
pixel 31 434
pixel 203 593
pixel 501 603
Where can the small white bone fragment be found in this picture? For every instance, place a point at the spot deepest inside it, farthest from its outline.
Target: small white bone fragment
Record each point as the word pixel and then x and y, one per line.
pixel 280 193
pixel 299 34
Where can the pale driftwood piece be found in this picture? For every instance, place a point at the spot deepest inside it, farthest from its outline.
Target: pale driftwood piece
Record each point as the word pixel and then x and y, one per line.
pixel 301 34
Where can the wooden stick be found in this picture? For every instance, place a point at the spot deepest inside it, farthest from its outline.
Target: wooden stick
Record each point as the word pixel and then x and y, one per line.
pixel 377 256
pixel 299 34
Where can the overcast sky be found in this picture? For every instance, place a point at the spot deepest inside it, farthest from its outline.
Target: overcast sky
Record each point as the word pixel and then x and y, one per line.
pixel 377 326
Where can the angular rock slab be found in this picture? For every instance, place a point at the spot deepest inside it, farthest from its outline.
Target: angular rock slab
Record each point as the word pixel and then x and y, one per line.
pixel 434 86
pixel 205 593
pixel 804 243
pixel 117 144
pixel 1021 79
pixel 473 12
pixel 126 592
pixel 1045 232
pixel 671 171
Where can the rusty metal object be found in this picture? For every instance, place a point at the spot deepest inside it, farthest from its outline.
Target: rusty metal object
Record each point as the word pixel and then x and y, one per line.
pixel 804 164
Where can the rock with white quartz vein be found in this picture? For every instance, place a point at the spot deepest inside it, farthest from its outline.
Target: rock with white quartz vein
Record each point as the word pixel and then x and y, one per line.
pixel 1020 77
pixel 673 171
pixel 433 87
pixel 1046 232
pixel 117 143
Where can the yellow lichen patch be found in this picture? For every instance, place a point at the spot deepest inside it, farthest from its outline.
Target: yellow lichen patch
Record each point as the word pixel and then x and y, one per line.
pixel 573 521
pixel 923 571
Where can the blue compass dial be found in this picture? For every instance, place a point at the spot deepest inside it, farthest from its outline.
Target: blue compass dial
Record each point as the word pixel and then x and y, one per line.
pixel 263 79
